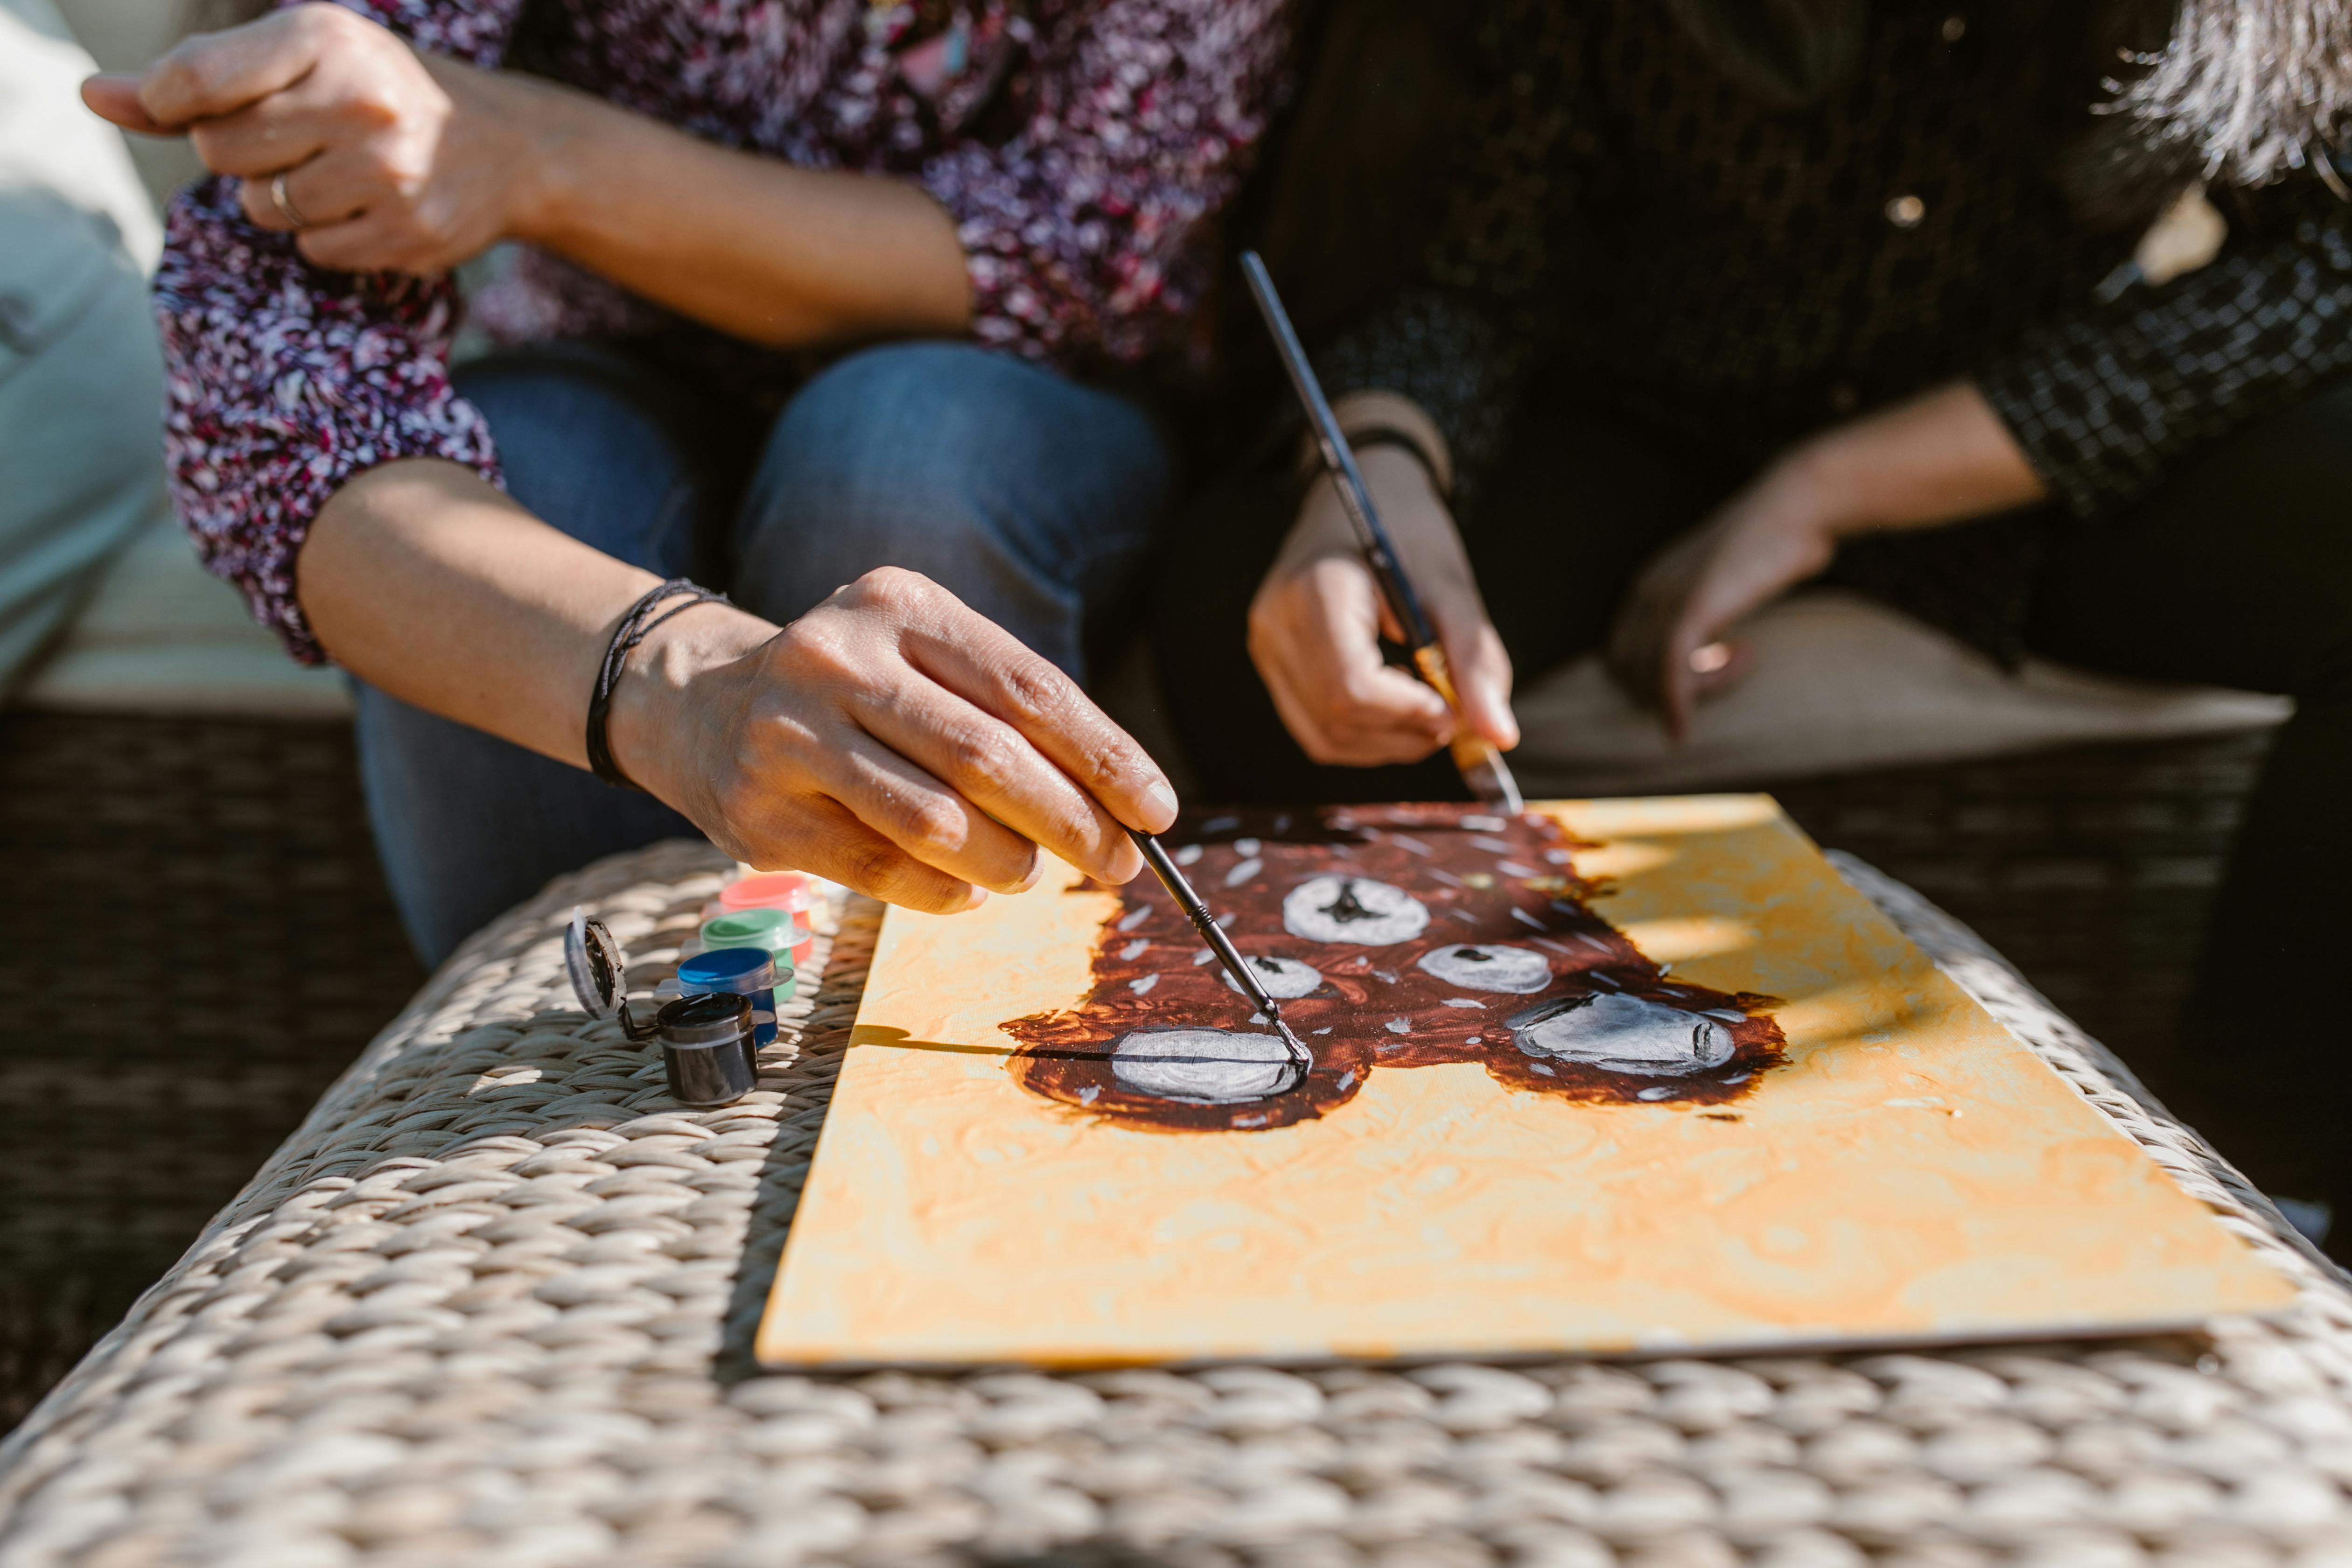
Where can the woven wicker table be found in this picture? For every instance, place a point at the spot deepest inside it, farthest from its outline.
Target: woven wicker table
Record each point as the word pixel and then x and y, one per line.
pixel 491 1304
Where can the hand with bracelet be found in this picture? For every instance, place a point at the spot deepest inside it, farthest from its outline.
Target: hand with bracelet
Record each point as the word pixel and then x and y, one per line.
pixel 1316 624
pixel 891 739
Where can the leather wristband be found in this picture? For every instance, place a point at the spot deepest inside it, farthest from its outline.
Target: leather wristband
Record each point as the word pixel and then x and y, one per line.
pixel 635 627
pixel 1365 440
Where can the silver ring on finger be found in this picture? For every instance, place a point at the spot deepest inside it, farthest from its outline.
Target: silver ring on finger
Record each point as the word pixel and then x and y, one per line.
pixel 284 204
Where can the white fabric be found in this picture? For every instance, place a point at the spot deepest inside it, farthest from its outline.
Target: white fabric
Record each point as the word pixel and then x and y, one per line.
pixel 131 35
pixel 1840 684
pixel 80 377
pixel 162 635
pixel 83 518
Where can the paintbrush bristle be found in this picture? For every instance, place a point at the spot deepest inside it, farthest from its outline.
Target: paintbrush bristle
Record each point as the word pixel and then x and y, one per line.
pixel 1300 1057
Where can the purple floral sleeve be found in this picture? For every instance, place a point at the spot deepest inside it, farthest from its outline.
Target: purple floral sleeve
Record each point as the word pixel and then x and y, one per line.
pixel 1083 233
pixel 283 380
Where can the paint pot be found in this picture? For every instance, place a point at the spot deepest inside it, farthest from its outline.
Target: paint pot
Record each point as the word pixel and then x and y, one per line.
pixel 772 930
pixel 747 972
pixel 767 890
pixel 706 1048
pixel 709 1041
pixel 794 892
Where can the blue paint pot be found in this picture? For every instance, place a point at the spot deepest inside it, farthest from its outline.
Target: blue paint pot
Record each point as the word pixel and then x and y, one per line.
pixel 746 972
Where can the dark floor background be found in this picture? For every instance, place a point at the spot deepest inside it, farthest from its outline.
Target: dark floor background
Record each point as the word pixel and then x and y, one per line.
pixel 197 941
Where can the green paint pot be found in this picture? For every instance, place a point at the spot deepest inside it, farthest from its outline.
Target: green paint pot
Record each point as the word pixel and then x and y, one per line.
pixel 773 930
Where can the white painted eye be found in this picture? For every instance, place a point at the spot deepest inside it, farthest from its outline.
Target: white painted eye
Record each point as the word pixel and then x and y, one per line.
pixel 1283 978
pixel 1203 1067
pixel 1480 967
pixel 1352 910
pixel 1623 1033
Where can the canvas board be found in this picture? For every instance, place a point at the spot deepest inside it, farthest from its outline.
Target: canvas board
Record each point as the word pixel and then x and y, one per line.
pixel 1618 1076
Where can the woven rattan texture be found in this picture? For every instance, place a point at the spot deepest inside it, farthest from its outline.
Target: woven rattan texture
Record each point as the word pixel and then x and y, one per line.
pixel 199 940
pixel 488 1307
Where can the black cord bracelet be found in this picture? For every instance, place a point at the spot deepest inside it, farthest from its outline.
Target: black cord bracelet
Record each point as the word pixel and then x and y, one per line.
pixel 1384 436
pixel 633 629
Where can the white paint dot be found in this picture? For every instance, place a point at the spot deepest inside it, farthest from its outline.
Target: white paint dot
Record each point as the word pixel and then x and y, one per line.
pixel 1623 1033
pixel 1488 966
pixel 1283 978
pixel 1352 910
pixel 1203 1067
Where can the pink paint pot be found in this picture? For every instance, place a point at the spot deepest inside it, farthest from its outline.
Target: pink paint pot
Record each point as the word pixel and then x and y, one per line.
pixel 768 890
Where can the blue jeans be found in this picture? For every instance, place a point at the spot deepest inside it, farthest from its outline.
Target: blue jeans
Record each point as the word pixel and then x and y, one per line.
pixel 1030 497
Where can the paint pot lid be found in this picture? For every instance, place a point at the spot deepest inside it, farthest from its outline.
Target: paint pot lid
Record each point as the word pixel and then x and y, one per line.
pixel 595 963
pixel 712 1018
pixel 725 968
pixel 767 890
pixel 747 928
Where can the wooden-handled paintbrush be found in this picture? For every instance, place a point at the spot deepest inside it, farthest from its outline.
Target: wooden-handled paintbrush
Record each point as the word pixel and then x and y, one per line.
pixel 1480 761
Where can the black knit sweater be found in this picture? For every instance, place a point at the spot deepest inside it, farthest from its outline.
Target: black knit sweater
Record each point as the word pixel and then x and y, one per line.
pixel 1746 271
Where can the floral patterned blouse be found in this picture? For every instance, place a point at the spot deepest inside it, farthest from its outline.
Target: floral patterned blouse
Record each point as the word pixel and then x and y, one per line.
pixel 1080 145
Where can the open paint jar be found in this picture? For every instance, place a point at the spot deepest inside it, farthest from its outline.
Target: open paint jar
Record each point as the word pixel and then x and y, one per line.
pixel 775 931
pixel 707 1048
pixel 709 1040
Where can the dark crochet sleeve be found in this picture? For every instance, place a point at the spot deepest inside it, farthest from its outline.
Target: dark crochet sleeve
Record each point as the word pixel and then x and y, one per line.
pixel 1439 349
pixel 1458 345
pixel 2106 400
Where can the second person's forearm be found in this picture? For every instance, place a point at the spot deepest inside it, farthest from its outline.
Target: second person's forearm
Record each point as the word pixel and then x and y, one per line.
pixel 1940 457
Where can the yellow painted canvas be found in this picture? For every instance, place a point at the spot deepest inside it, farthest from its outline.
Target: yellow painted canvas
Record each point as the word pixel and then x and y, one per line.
pixel 1615 1076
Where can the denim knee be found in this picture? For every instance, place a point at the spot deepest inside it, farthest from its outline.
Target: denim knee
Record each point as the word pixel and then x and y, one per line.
pixel 591 445
pixel 1028 495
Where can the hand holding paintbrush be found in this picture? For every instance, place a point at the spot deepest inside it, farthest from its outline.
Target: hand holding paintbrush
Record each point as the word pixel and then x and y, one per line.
pixel 1479 760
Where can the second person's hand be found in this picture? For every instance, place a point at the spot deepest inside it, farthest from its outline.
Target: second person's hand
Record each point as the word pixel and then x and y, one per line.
pixel 1316 624
pixel 1756 546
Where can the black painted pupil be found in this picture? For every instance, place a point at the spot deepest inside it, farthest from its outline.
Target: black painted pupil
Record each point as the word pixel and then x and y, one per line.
pixel 1267 965
pixel 1346 907
pixel 1474 955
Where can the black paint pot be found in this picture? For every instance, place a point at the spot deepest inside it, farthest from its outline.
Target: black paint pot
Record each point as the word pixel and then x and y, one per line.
pixel 706 1044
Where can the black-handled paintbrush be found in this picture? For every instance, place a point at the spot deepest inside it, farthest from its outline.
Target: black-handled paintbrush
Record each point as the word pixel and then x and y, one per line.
pixel 1480 761
pixel 1180 890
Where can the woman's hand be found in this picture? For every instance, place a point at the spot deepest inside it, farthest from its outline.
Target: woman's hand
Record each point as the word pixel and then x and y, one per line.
pixel 393 160
pixel 891 739
pixel 1766 539
pixel 397 161
pixel 1935 458
pixel 1316 624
